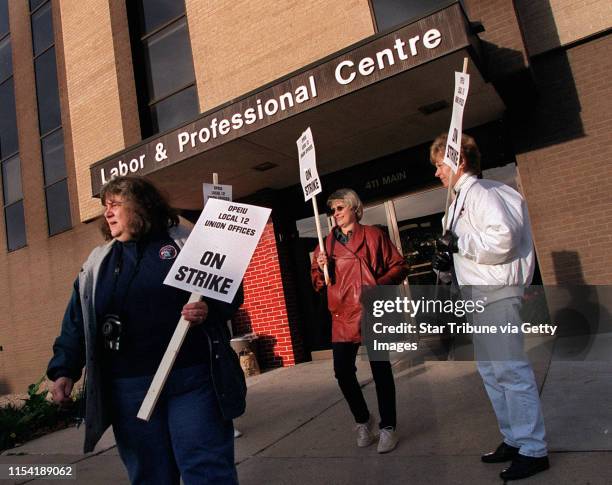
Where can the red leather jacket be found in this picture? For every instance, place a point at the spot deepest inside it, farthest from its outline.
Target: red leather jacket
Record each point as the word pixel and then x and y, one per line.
pixel 368 258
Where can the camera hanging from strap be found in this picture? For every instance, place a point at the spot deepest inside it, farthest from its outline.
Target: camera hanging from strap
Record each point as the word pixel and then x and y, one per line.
pixel 112 326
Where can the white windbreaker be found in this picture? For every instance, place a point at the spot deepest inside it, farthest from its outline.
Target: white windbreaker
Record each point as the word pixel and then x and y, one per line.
pixel 494 235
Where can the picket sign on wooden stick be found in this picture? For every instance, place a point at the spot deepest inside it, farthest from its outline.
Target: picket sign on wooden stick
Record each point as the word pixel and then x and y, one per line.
pixel 161 375
pixel 311 184
pixel 448 192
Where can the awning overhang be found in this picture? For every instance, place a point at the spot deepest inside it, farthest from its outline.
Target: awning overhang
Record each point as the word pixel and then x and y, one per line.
pixel 405 103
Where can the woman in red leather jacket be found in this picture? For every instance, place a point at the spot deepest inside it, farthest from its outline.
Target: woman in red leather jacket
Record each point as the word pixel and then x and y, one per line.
pixel 358 256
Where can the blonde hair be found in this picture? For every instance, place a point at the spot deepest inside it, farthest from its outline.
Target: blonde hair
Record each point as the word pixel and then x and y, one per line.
pixel 350 198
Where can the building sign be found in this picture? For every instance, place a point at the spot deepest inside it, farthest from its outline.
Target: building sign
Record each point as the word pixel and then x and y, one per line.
pixel 219 249
pixel 441 33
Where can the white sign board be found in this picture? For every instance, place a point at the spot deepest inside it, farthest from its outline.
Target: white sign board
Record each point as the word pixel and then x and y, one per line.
pixel 453 144
pixel 219 249
pixel 217 191
pixel 308 165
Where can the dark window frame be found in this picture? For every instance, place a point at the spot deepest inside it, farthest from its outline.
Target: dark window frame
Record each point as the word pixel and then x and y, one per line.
pixel 14 202
pixel 426 10
pixel 145 102
pixel 8 35
pixel 50 131
pixel 6 158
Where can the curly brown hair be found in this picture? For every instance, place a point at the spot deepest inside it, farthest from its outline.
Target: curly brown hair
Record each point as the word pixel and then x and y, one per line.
pixel 150 208
pixel 469 151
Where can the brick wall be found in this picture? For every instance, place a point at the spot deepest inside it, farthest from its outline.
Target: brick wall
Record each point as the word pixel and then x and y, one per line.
pixel 240 45
pixel 99 86
pixel 564 162
pixel 35 281
pixel 266 310
pixel 502 42
pixel 552 23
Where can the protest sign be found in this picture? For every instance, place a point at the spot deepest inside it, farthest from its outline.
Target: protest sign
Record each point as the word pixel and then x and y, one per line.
pixel 452 152
pixel 217 191
pixel 211 263
pixel 311 185
pixel 219 249
pixel 453 143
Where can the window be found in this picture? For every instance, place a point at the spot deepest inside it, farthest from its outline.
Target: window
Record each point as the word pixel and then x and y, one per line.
pixel 4 20
pixel 163 64
pixel 8 120
pixel 6 63
pixel 49 118
pixel 47 93
pixel 10 165
pixel 13 203
pixel 390 13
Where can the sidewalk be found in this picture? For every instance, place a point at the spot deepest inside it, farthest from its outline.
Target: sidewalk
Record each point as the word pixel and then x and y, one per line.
pixel 297 430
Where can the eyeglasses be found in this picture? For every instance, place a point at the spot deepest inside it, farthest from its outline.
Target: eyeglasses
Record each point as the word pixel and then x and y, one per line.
pixel 338 208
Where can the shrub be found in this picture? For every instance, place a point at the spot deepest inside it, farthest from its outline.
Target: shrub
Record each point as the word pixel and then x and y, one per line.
pixel 36 417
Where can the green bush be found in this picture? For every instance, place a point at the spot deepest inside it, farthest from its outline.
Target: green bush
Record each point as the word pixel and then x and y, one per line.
pixel 36 417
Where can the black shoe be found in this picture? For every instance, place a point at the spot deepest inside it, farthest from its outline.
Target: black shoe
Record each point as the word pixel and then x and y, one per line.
pixel 525 466
pixel 503 453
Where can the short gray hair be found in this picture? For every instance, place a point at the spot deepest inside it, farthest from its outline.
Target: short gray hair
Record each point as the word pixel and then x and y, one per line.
pixel 350 198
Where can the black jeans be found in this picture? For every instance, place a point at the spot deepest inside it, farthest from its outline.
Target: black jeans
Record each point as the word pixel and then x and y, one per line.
pixel 345 371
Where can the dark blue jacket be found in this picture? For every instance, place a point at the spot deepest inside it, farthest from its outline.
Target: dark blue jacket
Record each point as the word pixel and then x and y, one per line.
pixel 77 347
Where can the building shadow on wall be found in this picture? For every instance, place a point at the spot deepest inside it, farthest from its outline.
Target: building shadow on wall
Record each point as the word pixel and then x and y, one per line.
pixel 265 343
pixel 542 103
pixel 577 310
pixel 553 114
pixel 4 388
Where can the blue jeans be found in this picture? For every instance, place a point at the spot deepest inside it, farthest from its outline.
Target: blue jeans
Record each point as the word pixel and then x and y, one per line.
pixel 186 436
pixel 509 379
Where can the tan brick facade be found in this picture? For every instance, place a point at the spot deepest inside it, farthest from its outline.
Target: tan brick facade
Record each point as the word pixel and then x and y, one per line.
pixel 554 23
pixel 101 104
pixel 502 35
pixel 568 178
pixel 228 39
pixel 35 281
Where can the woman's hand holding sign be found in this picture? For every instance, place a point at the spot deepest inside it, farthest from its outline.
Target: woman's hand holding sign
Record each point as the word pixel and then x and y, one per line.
pixel 195 313
pixel 322 260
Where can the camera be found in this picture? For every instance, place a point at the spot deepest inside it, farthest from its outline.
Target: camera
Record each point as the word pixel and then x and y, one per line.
pixel 111 330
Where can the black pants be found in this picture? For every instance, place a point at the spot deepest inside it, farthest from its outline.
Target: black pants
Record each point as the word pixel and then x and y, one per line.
pixel 345 371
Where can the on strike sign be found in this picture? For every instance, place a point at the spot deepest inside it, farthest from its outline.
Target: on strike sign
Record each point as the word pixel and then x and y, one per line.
pixel 308 165
pixel 219 249
pixel 453 144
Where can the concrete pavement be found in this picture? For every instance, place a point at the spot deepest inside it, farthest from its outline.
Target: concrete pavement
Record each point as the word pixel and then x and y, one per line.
pixel 297 429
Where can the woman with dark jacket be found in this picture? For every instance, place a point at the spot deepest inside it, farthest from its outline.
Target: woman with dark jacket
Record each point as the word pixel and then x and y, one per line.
pixel 118 324
pixel 358 256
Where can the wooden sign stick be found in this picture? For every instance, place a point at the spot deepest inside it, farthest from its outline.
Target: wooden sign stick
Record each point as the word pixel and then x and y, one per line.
pixel 320 236
pixel 159 380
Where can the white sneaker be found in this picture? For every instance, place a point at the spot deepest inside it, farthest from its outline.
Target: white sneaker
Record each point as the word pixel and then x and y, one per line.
pixel 365 435
pixel 388 440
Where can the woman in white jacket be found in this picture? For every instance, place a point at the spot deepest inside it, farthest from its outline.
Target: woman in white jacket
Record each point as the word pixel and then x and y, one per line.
pixel 488 246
